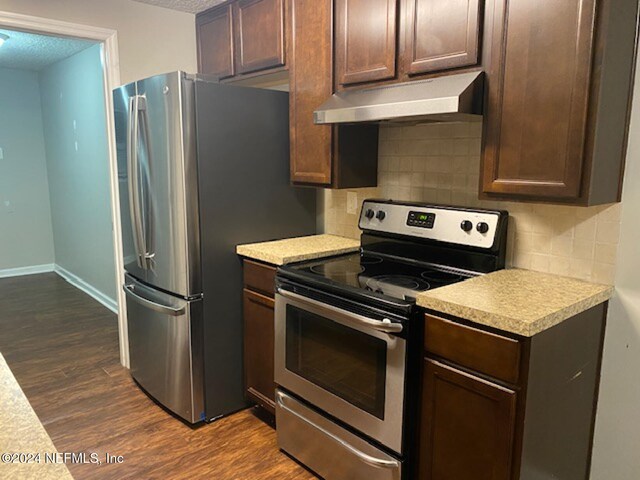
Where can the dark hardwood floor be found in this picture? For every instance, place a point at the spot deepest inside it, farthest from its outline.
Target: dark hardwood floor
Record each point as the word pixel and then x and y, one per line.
pixel 62 347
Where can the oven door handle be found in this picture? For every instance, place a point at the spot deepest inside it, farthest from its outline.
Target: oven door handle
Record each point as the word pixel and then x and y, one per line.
pixel 385 325
pixel 368 459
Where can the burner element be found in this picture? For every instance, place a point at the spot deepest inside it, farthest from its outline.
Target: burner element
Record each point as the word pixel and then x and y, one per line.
pixel 440 276
pixel 367 260
pixel 378 283
pixel 336 271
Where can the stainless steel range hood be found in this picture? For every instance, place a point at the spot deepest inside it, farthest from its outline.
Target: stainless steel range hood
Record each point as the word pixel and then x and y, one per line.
pixel 443 99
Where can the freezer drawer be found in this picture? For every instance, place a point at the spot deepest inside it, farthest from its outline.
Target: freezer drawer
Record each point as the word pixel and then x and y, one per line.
pixel 165 347
pixel 328 449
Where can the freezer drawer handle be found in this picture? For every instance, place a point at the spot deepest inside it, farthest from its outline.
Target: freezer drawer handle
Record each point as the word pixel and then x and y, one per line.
pixel 385 326
pixel 174 312
pixel 368 459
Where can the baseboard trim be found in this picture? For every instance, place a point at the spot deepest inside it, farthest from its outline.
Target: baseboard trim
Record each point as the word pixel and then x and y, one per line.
pixel 90 290
pixel 32 270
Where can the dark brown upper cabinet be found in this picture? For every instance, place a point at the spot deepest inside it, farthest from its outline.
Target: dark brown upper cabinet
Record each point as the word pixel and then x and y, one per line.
pixel 214 30
pixel 396 40
pixel 242 38
pixel 322 155
pixel 366 39
pixel 259 34
pixel 440 34
pixel 309 85
pixel 559 92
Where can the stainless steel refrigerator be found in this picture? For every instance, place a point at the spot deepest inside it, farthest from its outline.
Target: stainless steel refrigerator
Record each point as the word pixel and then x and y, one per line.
pixel 202 167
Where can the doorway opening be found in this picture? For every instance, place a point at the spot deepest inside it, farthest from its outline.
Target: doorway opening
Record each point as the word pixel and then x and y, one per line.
pixel 58 182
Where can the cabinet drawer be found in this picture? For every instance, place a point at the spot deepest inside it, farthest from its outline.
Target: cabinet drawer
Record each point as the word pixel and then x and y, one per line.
pixel 484 352
pixel 259 277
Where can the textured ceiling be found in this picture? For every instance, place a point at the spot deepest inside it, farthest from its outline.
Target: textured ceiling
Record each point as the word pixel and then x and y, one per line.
pixel 191 6
pixel 29 51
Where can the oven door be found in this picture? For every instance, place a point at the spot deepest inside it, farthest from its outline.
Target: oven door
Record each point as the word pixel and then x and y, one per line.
pixel 350 365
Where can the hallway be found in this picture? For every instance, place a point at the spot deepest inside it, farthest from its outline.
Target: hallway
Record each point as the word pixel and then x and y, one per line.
pixel 62 347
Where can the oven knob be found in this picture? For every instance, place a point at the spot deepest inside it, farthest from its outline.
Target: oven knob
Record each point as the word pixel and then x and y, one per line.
pixel 466 225
pixel 369 214
pixel 380 215
pixel 482 227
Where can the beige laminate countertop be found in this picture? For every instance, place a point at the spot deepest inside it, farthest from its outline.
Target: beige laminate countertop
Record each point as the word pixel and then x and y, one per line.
pixel 523 302
pixel 22 432
pixel 290 250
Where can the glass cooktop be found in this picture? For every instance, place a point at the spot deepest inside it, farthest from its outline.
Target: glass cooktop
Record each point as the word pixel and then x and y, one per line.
pixel 383 276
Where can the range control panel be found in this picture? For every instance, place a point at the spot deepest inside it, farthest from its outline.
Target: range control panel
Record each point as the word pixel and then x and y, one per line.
pixel 462 226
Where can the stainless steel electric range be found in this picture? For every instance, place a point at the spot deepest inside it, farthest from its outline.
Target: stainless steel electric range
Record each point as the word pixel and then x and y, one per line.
pixel 348 334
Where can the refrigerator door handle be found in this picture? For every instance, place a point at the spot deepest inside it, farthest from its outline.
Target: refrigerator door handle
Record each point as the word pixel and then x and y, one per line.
pixel 147 204
pixel 158 307
pixel 134 181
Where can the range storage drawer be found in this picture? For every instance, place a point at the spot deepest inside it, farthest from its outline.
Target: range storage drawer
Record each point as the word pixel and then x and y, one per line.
pixel 259 277
pixel 328 449
pixel 478 350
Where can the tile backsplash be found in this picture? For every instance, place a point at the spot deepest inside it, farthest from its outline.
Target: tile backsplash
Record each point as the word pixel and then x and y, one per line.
pixel 440 163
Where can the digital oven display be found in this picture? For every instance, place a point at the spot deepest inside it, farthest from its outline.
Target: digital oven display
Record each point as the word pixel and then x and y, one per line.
pixel 421 219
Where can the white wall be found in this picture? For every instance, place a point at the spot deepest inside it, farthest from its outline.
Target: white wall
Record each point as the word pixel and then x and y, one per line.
pixel 151 40
pixel 616 454
pixel 74 119
pixel 25 221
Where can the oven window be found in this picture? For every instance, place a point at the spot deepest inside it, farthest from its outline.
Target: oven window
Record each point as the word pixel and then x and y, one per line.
pixel 341 360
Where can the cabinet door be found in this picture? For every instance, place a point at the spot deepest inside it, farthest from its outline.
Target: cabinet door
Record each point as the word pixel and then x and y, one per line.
pixel 258 349
pixel 467 426
pixel 536 116
pixel 215 42
pixel 310 84
pixel 259 34
pixel 440 34
pixel 365 40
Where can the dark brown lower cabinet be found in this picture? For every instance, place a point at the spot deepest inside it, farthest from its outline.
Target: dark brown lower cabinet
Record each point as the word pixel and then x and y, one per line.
pixel 467 427
pixel 258 349
pixel 498 406
pixel 258 313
